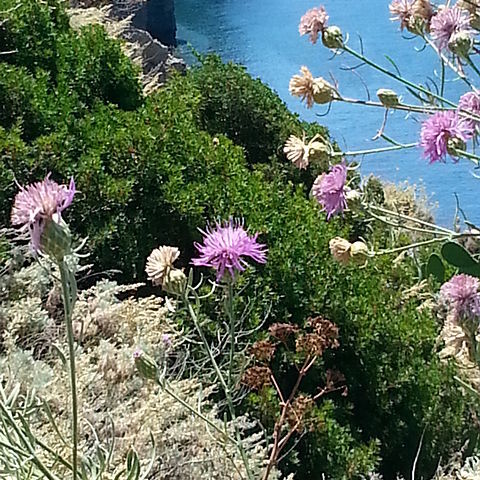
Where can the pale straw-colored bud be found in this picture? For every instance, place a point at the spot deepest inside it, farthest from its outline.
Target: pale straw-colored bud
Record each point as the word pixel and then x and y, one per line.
pixel 359 252
pixel 422 13
pixel 340 249
pixel 332 37
pixel 319 152
pixel 387 97
pixel 323 92
pixel 175 282
pixel 461 44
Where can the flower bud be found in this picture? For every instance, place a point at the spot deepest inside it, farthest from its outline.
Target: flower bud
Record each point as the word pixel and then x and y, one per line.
pixel 319 152
pixel 359 252
pixel 387 97
pixel 461 44
pixel 340 249
pixel 56 239
pixel 175 282
pixel 145 365
pixel 332 37
pixel 454 144
pixel 323 92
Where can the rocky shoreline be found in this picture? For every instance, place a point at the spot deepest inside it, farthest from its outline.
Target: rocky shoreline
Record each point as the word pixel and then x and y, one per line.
pixel 122 20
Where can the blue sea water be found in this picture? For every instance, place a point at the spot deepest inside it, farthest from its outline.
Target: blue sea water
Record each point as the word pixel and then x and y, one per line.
pixel 263 36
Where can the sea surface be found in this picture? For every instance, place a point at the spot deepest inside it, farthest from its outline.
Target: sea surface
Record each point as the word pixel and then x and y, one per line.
pixel 263 36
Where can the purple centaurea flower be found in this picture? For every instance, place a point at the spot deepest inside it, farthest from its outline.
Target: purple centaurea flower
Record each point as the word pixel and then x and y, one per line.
pixel 438 129
pixel 38 204
pixel 470 102
pixel 461 293
pixel 330 190
pixel 446 23
pixel 225 246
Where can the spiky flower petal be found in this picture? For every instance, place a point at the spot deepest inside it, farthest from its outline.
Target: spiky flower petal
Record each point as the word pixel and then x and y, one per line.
pixel 447 23
pixel 313 22
pixel 38 204
pixel 330 190
pixel 440 129
pixel 225 248
pixel 160 263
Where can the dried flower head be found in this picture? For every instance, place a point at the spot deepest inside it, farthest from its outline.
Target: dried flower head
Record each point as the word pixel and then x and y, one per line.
pixel 282 331
pixel 448 22
pixel 461 294
pixel 296 151
pixel 313 22
pixel 402 11
pixel 263 350
pixel 256 377
pixel 225 247
pixel 440 129
pixel 160 263
pixel 326 329
pixel 311 90
pixel 340 249
pixel 38 205
pixel 299 411
pixel 423 10
pixel 329 189
pixel 470 102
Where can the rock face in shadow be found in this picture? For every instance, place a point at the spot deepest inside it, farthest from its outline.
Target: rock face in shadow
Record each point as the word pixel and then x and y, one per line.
pixel 155 59
pixel 157 17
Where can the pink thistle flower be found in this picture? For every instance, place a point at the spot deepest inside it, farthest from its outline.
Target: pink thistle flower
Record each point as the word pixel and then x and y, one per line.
pixel 446 23
pixel 438 129
pixel 330 191
pixel 225 246
pixel 38 204
pixel 401 10
pixel 470 102
pixel 313 22
pixel 461 293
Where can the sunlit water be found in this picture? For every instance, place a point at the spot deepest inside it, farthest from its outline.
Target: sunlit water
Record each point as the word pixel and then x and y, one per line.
pixel 263 36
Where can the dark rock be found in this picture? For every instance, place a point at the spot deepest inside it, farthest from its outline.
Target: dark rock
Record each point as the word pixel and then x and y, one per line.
pixel 157 17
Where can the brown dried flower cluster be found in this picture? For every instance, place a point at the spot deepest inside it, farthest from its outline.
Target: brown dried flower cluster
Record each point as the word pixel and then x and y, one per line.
pixel 256 377
pixel 324 336
pixel 263 350
pixel 299 412
pixel 282 331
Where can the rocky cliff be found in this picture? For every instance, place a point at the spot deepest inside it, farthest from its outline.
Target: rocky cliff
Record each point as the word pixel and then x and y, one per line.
pixel 157 17
pixel 154 58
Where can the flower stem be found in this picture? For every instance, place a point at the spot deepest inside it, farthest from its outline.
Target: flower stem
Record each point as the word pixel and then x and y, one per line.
pixel 374 150
pixel 231 315
pixel 69 293
pixel 223 383
pixel 396 77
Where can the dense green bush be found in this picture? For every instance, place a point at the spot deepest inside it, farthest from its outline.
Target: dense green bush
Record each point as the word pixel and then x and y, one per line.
pixel 151 174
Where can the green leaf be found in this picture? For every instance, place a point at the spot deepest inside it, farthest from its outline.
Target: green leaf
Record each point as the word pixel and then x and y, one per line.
pixel 435 267
pixel 457 256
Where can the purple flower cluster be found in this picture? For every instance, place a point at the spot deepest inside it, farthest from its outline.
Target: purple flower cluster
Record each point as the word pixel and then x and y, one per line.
pixel 470 102
pixel 446 23
pixel 313 22
pixel 330 190
pixel 438 129
pixel 38 204
pixel 461 293
pixel 225 246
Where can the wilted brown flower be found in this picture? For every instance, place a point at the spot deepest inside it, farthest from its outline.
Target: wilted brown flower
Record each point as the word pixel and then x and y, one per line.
pixel 340 249
pixel 263 350
pixel 325 335
pixel 299 411
pixel 256 377
pixel 296 151
pixel 281 331
pixel 312 90
pixel 160 263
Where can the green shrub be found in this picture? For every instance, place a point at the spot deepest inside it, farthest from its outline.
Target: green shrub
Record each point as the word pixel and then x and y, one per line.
pixel 152 175
pixel 30 29
pixel 95 68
